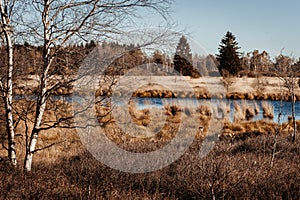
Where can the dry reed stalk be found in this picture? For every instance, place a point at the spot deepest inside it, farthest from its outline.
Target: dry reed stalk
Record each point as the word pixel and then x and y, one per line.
pixel 238 113
pixel 268 110
pixel 256 108
pixel 248 110
pixel 205 109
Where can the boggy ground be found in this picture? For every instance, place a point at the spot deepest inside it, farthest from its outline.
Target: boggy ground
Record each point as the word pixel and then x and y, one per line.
pixel 232 170
pixel 238 167
pixel 261 88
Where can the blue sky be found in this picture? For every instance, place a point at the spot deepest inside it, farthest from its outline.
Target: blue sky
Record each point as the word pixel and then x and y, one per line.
pixel 269 25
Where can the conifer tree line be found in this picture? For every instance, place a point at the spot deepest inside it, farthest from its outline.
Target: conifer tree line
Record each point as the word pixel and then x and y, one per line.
pixel 229 61
pixel 28 58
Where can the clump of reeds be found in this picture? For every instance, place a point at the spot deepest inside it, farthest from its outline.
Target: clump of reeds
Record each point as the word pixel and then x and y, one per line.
pixel 140 117
pixel 245 111
pixel 248 110
pixel 173 109
pixel 290 123
pixel 268 110
pixel 238 114
pixel 204 109
pixel 182 94
pixel 290 118
pixel 221 110
pixel 256 108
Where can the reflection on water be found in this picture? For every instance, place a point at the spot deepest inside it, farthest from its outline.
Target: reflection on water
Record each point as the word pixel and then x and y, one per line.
pixel 286 108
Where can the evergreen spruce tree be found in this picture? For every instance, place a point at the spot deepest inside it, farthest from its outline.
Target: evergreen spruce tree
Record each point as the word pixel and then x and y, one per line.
pixel 229 60
pixel 183 59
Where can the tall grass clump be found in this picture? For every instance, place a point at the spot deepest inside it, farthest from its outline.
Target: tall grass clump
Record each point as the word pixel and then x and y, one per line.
pixel 256 108
pixel 205 109
pixel 223 110
pixel 268 110
pixel 248 110
pixel 238 113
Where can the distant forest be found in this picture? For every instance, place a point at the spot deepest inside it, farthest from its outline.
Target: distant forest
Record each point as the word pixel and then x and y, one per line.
pixel 28 60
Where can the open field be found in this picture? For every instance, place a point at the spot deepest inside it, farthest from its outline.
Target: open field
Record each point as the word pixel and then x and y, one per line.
pixel 262 88
pixel 238 167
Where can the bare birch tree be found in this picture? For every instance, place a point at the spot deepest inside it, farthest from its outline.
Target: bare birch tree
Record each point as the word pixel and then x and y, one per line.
pixel 286 71
pixel 55 23
pixel 6 82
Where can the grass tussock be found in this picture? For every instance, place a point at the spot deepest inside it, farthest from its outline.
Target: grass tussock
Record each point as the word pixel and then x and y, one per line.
pixel 268 110
pixel 140 117
pixel 256 108
pixel 248 110
pixel 224 108
pixel 204 110
pixel 238 113
pixel 172 110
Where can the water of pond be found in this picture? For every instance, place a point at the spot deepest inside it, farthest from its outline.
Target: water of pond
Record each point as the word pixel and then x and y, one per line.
pixel 285 107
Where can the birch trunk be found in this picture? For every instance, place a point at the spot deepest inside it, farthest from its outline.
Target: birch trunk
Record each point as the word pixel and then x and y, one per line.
pixel 8 90
pixel 8 108
pixel 64 20
pixel 30 152
pixel 40 109
pixel 293 110
pixel 41 99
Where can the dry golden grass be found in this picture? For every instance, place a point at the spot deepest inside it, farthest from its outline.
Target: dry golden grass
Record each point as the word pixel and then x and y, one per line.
pixel 248 110
pixel 238 113
pixel 256 108
pixel 174 115
pixel 205 109
pixel 268 110
pixel 65 139
pixel 232 170
pixel 242 130
pixel 238 167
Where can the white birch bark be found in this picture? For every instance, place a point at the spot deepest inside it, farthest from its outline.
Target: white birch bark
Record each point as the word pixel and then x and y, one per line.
pixel 8 88
pixel 293 108
pixel 85 19
pixel 42 99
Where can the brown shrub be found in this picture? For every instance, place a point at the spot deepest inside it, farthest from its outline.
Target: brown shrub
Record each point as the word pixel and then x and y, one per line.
pixel 232 170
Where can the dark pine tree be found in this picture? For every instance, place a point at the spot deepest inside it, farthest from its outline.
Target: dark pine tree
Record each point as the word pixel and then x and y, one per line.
pixel 229 57
pixel 183 61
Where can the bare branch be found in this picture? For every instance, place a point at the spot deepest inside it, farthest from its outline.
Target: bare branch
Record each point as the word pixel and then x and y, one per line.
pixel 48 146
